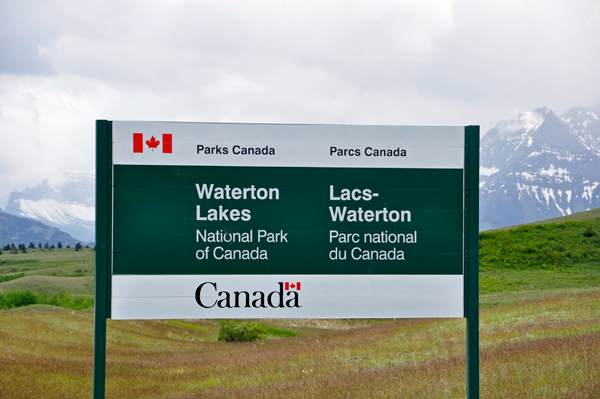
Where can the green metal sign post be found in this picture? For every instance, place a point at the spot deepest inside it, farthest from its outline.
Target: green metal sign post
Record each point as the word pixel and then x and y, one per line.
pixel 102 252
pixel 208 220
pixel 472 258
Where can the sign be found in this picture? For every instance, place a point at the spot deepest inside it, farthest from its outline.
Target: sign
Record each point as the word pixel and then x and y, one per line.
pixel 218 220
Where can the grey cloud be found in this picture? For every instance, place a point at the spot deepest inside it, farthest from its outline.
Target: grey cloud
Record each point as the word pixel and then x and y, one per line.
pixel 310 61
pixel 524 53
pixel 374 46
pixel 24 27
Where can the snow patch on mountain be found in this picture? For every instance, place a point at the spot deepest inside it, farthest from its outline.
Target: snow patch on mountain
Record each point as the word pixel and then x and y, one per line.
pixel 61 213
pixel 585 125
pixel 526 122
pixel 534 154
pixel 559 174
pixel 588 191
pixel 69 207
pixel 569 194
pixel 483 171
pixel 531 121
pixel 562 155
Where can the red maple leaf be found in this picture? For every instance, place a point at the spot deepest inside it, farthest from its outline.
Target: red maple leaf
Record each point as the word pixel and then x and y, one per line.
pixel 152 143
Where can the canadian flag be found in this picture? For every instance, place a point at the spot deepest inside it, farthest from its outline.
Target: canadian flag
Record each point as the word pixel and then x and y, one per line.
pixel 293 286
pixel 167 143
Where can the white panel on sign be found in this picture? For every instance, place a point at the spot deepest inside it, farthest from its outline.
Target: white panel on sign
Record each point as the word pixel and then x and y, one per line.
pixel 287 296
pixel 214 144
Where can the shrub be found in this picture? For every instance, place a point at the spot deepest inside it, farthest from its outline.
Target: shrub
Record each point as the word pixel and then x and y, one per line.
pixel 589 232
pixel 11 277
pixel 231 331
pixel 15 299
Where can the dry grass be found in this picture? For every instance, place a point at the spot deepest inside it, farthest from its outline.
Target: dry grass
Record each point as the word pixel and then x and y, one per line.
pixel 547 348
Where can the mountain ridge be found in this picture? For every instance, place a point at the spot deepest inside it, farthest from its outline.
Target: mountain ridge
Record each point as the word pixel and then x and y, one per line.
pixel 70 207
pixel 18 230
pixel 539 166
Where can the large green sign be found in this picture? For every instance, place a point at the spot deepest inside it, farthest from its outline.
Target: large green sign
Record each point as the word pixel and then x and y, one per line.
pixel 208 220
pixel 231 220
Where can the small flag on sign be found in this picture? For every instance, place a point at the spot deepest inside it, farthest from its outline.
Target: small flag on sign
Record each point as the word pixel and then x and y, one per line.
pixel 293 286
pixel 167 143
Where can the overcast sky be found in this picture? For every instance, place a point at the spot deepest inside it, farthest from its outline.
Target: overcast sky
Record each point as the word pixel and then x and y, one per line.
pixel 66 63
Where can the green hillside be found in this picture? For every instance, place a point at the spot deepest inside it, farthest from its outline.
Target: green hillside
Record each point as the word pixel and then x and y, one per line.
pixel 48 272
pixel 43 261
pixel 540 260
pixel 543 246
pixel 51 285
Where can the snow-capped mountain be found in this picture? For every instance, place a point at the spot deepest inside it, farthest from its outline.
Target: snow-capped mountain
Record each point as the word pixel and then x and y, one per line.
pixel 17 230
pixel 70 207
pixel 539 166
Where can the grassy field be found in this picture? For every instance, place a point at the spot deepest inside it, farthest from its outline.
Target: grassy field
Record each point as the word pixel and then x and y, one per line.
pixel 539 260
pixel 50 271
pixel 539 333
pixel 548 348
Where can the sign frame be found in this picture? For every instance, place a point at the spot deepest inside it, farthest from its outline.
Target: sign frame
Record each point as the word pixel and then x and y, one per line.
pixel 104 242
